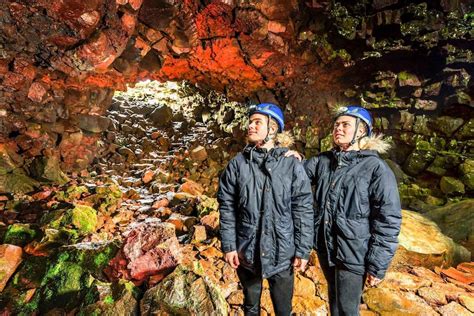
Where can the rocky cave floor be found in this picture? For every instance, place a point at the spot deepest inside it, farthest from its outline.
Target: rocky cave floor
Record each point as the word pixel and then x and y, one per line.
pixel 138 231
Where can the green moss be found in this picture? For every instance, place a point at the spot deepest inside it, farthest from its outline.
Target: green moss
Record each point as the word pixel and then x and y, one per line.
pixel 19 234
pixel 109 299
pixel 83 217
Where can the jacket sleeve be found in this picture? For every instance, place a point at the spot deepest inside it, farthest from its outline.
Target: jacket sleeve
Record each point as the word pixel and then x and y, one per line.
pixel 226 196
pixel 302 211
pixel 310 168
pixel 385 220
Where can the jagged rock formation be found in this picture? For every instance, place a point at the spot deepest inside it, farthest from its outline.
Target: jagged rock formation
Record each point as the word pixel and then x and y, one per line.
pixel 411 62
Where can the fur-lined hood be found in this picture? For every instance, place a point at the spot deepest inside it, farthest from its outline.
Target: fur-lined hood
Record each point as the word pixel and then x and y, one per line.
pixel 284 139
pixel 374 142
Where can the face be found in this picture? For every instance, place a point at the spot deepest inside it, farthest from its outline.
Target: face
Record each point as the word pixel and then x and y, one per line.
pixel 343 131
pixel 258 128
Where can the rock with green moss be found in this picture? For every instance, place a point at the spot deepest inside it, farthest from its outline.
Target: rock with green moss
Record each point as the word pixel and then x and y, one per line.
pixel 326 143
pixel 418 161
pixel 467 171
pixel 452 186
pixel 447 124
pixel 206 205
pixel 421 125
pixel 70 274
pixel 106 198
pixel 110 299
pixel 20 234
pixel 408 79
pixel 466 131
pixel 184 292
pixel 71 193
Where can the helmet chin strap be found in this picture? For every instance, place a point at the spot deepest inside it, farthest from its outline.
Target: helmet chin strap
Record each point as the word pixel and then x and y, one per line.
pixel 354 139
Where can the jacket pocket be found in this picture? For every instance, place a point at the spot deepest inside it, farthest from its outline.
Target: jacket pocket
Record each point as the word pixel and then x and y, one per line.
pixel 246 241
pixel 352 241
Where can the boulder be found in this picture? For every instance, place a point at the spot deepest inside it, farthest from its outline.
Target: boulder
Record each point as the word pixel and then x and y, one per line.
pixel 19 234
pixel 150 249
pixel 184 292
pixel 161 116
pixel 423 244
pixel 456 220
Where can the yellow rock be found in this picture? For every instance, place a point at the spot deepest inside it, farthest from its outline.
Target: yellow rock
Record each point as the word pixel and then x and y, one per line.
pixel 423 244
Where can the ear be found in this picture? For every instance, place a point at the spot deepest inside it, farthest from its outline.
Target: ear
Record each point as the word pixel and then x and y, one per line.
pixel 273 129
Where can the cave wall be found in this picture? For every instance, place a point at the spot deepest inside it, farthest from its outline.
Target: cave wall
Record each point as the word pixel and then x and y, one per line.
pixel 410 62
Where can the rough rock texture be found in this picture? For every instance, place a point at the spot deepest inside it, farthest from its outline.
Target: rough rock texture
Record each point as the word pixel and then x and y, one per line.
pixel 150 249
pixel 60 64
pixel 456 220
pixel 184 292
pixel 415 250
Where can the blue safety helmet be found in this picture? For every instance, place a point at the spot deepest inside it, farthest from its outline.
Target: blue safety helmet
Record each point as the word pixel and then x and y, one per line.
pixel 271 110
pixel 359 113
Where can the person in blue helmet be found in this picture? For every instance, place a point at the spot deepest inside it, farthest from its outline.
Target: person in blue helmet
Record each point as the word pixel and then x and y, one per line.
pixel 266 212
pixel 357 209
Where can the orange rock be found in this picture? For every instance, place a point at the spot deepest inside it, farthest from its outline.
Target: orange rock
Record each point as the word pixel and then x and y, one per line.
pixel 309 306
pixel 467 300
pixel 466 278
pixel 236 298
pixel 212 252
pixel 161 203
pixel 211 221
pixel 467 267
pixel 191 187
pixel 147 176
pixel 433 296
pixel 404 281
pixel 276 27
pixel 395 302
pixel 199 234
pixel 10 259
pixel 304 287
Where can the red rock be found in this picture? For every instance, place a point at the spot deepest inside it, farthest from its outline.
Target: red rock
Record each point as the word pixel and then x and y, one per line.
pixel 10 259
pixel 37 92
pixel 150 248
pixel 467 267
pixel 465 278
pixel 13 80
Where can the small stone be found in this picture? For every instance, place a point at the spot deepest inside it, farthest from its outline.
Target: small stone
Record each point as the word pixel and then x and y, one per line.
pixel 211 221
pixel 428 105
pixel 408 79
pixel 199 154
pixel 147 176
pixel 199 234
pixel 37 92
